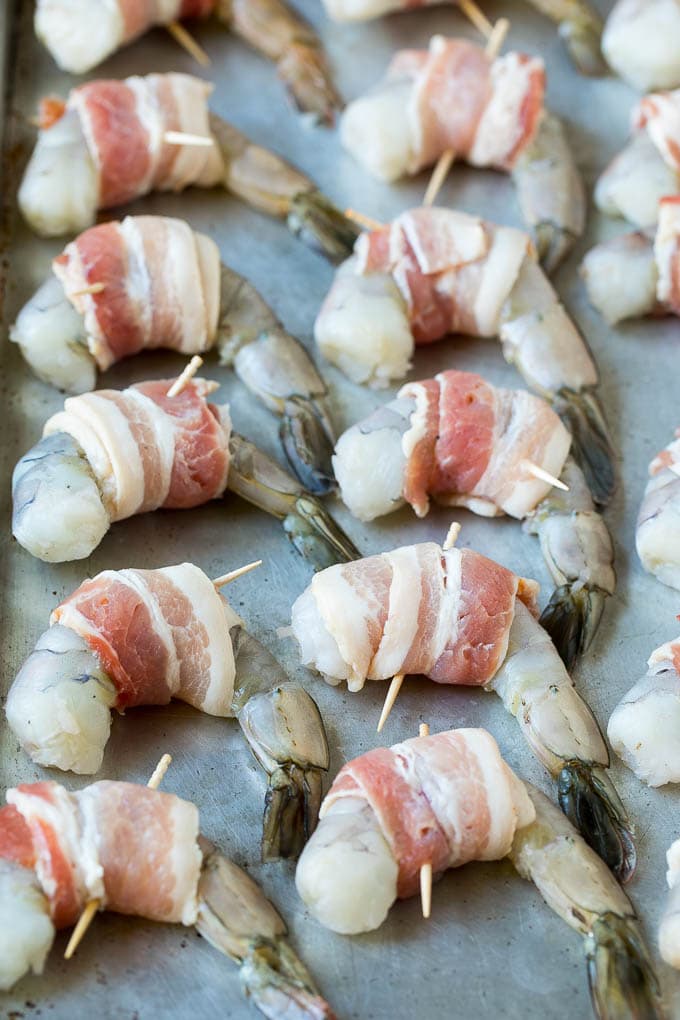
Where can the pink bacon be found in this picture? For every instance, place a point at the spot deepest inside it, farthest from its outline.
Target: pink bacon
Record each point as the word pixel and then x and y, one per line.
pixel 659 114
pixel 149 281
pixel 486 110
pixel 446 800
pixel 134 848
pixel 461 434
pixel 667 254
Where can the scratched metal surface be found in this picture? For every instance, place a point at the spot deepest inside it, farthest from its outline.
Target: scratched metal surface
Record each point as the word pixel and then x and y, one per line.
pixel 492 947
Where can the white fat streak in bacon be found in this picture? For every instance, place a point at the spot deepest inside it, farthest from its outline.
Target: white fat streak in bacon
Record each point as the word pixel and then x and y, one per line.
pixel 499 795
pixel 449 611
pixel 416 431
pixel 164 435
pixel 71 275
pixel 136 582
pixel 217 616
pixel 500 126
pixel 666 247
pixel 186 859
pixel 182 282
pixel 662 123
pixel 403 614
pixel 150 114
pixel 507 251
pixel 138 278
pixel 208 255
pixel 193 164
pixel 440 238
pixel 345 613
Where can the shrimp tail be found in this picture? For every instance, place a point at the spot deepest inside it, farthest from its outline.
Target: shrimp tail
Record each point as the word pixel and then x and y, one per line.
pixel 582 40
pixel 279 984
pixel 620 972
pixel 307 446
pixel 304 72
pixel 316 536
pixel 571 618
pixel 592 448
pixel 590 802
pixel 321 225
pixel 553 244
pixel 291 811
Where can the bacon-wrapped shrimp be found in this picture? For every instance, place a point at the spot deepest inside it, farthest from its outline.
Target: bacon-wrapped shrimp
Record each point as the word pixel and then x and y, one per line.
pixel 464 442
pixel 434 271
pixel 138 851
pixel 574 883
pixel 644 727
pixel 636 274
pixel 489 112
pixel 393 809
pixel 579 25
pixel 459 618
pixel 151 281
pixel 80 34
pixel 657 537
pixel 648 168
pixel 141 637
pixel 641 42
pixel 112 454
pixel 669 928
pixel 108 144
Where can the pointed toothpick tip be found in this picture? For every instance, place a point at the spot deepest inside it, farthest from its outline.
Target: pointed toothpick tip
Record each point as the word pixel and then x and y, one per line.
pixel 364 221
pixel 219 582
pixel 188 373
pixel 451 536
pixel 543 476
pixel 426 888
pixel 390 698
pixel 439 175
pixel 188 43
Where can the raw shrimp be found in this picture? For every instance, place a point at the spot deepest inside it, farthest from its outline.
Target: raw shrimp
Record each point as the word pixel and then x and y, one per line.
pixel 643 728
pixel 657 535
pixel 669 928
pixel 393 809
pixel 468 443
pixel 641 42
pixel 151 281
pixel 636 273
pixel 575 884
pixel 59 850
pixel 578 24
pixel 89 470
pixel 578 550
pixel 460 618
pixel 490 113
pixel 83 161
pixel 648 168
pixel 60 703
pixel 80 34
pixel 435 271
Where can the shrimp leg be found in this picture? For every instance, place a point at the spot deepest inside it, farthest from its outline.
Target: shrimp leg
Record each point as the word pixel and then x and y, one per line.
pixel 271 27
pixel 538 336
pixel 271 185
pixel 236 918
pixel 580 27
pixel 563 733
pixel 285 732
pixel 577 548
pixel 575 884
pixel 261 481
pixel 276 367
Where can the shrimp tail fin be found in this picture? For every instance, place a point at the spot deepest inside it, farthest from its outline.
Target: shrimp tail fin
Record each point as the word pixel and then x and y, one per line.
pixel 279 984
pixel 581 36
pixel 572 617
pixel 291 811
pixel 592 449
pixel 620 972
pixel 307 446
pixel 590 802
pixel 304 72
pixel 321 225
pixel 316 536
pixel 553 244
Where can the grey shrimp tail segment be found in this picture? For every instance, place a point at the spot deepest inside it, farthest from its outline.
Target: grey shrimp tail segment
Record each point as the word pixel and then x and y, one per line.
pixel 571 618
pixel 591 803
pixel 322 226
pixel 592 447
pixel 621 977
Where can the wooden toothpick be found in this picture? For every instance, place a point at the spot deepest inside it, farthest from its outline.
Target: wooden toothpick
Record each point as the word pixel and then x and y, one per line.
pixel 87 916
pixel 219 582
pixel 476 16
pixel 188 373
pixel 187 42
pixel 530 468
pixel 390 699
pixel 184 138
pixel 94 288
pixel 364 221
pixel 425 869
pixel 451 536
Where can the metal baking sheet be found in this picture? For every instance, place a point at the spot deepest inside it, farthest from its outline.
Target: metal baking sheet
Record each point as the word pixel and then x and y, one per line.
pixel 492 948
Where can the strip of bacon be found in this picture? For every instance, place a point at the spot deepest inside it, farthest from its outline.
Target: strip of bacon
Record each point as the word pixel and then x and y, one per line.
pixel 160 285
pixel 125 124
pixel 140 17
pixel 148 450
pixel 446 799
pixel 16 842
pixel 417 609
pixel 659 114
pixel 159 634
pixel 467 442
pixel 667 254
pixel 134 848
